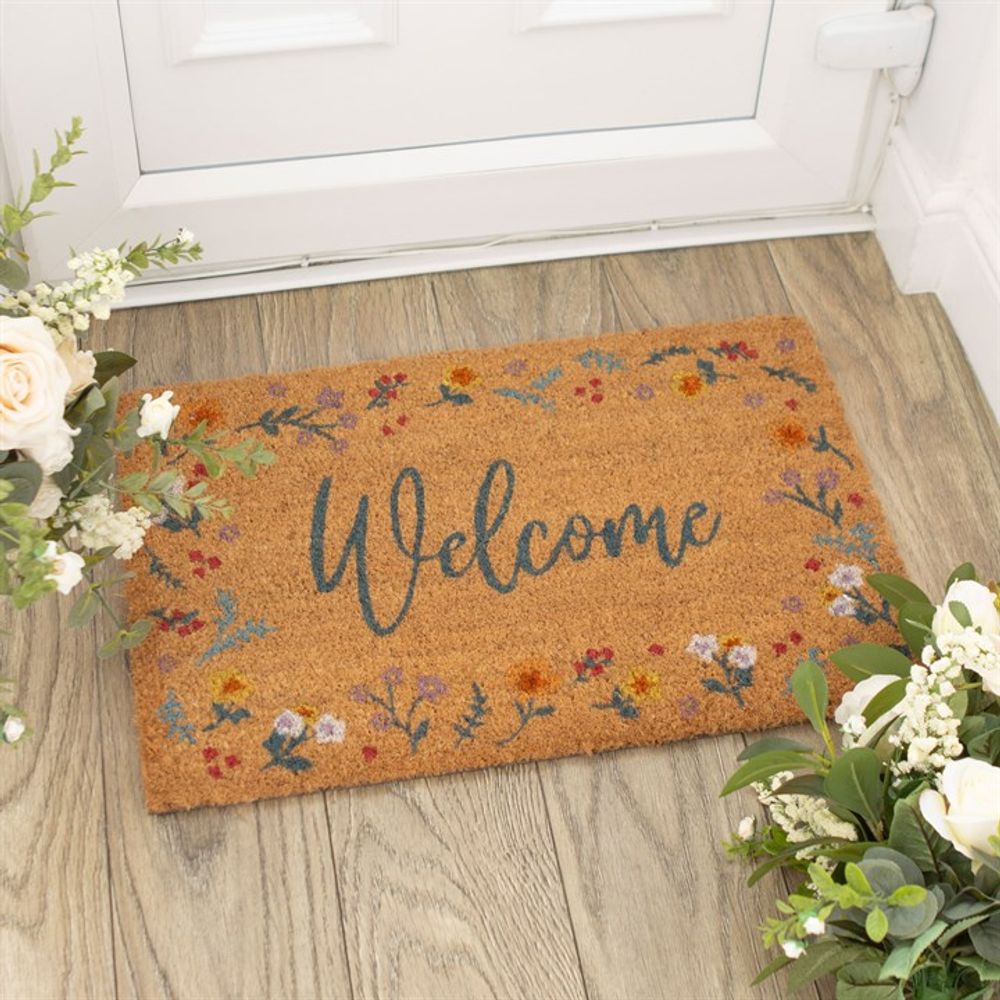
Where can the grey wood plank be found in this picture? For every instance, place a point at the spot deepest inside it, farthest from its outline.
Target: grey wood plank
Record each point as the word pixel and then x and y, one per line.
pixel 234 902
pixel 55 915
pixel 446 885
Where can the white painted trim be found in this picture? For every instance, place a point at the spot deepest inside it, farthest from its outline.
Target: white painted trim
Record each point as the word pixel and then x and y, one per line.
pixel 415 260
pixel 944 237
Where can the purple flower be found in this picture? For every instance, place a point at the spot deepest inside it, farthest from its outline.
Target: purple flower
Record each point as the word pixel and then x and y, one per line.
pixel 847 577
pixel 330 730
pixel 772 496
pixel 392 676
pixel 228 533
pixel 515 367
pixel 330 399
pixel 842 607
pixel 827 479
pixel 430 687
pixel 643 392
pixel 359 693
pixel 381 722
pixel 753 400
pixel 167 663
pixel 289 723
pixel 348 421
pixel 791 477
pixel 339 445
pixel 792 603
pixel 688 707
pixel 786 344
pixel 277 389
pixel 304 437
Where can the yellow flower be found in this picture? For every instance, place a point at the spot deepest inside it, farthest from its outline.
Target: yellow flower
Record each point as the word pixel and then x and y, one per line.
pixel 308 712
pixel 687 383
pixel 532 677
pixel 790 435
pixel 231 685
pixel 461 377
pixel 728 641
pixel 831 593
pixel 641 685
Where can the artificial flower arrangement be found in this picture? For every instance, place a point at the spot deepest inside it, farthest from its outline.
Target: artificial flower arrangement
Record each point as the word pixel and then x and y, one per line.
pixel 64 512
pixel 897 831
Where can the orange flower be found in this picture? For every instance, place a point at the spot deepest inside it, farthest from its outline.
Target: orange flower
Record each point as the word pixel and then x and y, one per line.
pixel 231 685
pixel 308 712
pixel 461 377
pixel 687 383
pixel 728 641
pixel 790 435
pixel 207 410
pixel 830 593
pixel 532 677
pixel 641 685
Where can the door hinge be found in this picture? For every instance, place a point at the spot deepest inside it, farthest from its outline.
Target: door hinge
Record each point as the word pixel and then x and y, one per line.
pixel 894 40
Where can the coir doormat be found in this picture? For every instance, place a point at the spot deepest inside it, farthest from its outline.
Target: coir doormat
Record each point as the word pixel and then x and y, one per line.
pixel 478 557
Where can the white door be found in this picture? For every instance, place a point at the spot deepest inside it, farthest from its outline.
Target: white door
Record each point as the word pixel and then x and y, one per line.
pixel 281 132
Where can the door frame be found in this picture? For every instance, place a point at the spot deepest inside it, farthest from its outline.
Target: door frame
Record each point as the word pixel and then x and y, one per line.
pixel 799 155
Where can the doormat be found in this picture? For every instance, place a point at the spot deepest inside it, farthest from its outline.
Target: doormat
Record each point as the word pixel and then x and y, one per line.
pixel 477 557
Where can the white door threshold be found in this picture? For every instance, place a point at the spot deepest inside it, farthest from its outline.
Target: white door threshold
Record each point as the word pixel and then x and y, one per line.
pixel 365 265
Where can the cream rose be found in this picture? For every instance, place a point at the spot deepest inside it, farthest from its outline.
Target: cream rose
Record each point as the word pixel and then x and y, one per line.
pixel 46 501
pixel 856 700
pixel 67 567
pixel 980 602
pixel 34 382
pixel 156 415
pixel 967 809
pixel 80 365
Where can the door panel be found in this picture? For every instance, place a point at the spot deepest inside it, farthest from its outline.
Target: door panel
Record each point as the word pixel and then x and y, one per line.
pixel 223 83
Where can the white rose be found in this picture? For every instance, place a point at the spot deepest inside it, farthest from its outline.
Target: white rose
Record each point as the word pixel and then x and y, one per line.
pixel 13 728
pixel 46 501
pixel 980 602
pixel 67 567
pixel 80 365
pixel 34 382
pixel 746 828
pixel 156 415
pixel 855 701
pixel 968 811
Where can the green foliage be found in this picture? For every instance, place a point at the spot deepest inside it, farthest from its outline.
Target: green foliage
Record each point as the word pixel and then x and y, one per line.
pixel 897 913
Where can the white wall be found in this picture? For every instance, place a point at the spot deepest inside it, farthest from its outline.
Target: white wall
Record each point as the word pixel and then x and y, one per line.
pixel 936 202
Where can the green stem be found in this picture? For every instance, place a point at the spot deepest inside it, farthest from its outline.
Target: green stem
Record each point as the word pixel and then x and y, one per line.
pixel 107 607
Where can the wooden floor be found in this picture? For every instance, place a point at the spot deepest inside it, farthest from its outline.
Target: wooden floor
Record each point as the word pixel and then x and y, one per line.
pixel 593 878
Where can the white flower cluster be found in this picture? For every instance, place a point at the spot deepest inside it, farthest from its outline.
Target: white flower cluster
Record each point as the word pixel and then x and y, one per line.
pixel 975 652
pixel 99 526
pixel 802 817
pixel 928 728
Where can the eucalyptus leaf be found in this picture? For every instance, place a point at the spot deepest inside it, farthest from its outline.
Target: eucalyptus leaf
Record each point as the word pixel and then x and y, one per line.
pixel 12 275
pixel 912 835
pixel 901 960
pixel 25 476
pixel 755 748
pixel 985 938
pixel 888 698
pixel 860 981
pixel 964 572
pixel 897 590
pixel 110 364
pixel 810 690
pixel 915 623
pixel 855 781
pixel 877 925
pixel 763 766
pixel 960 613
pixel 864 659
pixel 820 959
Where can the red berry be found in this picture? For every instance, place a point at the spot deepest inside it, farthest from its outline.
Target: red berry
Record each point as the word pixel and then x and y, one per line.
pixel 196 555
pixel 197 624
pixel 164 625
pixel 385 379
pixel 596 398
pixel 184 630
pixel 780 647
pixel 732 357
pixel 656 649
pixel 578 667
pixel 400 377
pixel 210 753
pixel 199 571
pixel 369 753
pixel 724 345
pixel 387 430
pixel 592 654
pixel 595 382
pixel 391 393
pixel 813 563
pixel 373 393
pixel 607 653
pixel 856 499
pixel 215 771
pixel 580 390
pixel 598 670
pixel 232 761
pixel 177 613
pixel 214 562
pixel 402 419
pixel 753 353
pixel 200 469
pixel 792 404
pixel 795 637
